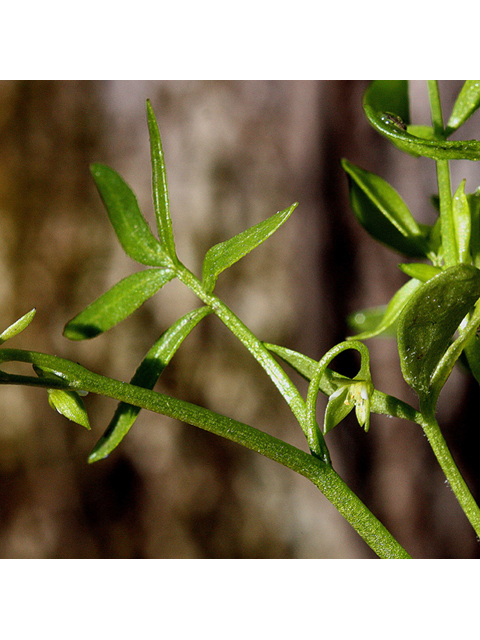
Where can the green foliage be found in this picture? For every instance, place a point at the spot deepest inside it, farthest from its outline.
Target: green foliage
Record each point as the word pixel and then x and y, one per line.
pixel 435 314
pixel 225 254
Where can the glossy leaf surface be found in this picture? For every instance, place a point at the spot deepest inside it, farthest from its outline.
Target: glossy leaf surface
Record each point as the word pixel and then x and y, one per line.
pixel 117 304
pixel 146 376
pixel 379 103
pixel 225 254
pixel 420 271
pixel 392 312
pixel 466 104
pixel 462 223
pixel 131 228
pixel 383 213
pixel 159 185
pixel 69 404
pixel 429 321
pixel 17 327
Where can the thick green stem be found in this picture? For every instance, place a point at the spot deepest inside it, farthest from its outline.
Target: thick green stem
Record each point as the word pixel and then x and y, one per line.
pixel 450 469
pixel 74 376
pixel 263 356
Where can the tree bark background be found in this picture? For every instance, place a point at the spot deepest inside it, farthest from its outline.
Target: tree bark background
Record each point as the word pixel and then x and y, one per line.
pixel 236 152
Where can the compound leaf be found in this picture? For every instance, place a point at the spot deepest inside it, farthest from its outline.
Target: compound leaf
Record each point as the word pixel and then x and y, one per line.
pixel 117 304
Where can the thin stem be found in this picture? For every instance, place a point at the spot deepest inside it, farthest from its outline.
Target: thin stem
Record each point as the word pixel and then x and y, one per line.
pixel 319 473
pixel 450 469
pixel 450 250
pixel 280 379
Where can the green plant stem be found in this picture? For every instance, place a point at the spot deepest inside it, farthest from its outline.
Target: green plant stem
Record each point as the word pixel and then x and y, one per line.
pixel 75 377
pixel 450 251
pixel 449 468
pixel 283 383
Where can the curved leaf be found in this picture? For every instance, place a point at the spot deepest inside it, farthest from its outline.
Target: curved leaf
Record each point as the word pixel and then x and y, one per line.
pixel 69 404
pixel 159 185
pixel 379 108
pixel 117 304
pixel 225 254
pixel 146 376
pixel 17 327
pixel 383 213
pixel 392 312
pixel 466 104
pixel 429 321
pixel 131 228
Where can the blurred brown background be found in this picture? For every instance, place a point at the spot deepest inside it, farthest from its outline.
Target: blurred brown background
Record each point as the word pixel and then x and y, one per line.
pixel 236 153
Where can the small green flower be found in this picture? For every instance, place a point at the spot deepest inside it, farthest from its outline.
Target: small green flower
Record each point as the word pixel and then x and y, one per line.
pixel 350 394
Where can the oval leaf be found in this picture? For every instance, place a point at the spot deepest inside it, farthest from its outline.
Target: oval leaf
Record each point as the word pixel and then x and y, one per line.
pixel 380 111
pixel 159 185
pixel 223 255
pixel 383 213
pixel 146 376
pixel 465 105
pixel 131 228
pixel 429 321
pixel 69 404
pixel 117 304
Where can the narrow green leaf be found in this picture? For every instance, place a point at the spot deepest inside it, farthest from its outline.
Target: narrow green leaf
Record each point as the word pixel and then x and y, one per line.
pixel 383 213
pixel 429 320
pixel 367 320
pixel 420 271
pixel 474 206
pixel 223 255
pixel 462 223
pixel 159 185
pixel 466 104
pixel 127 220
pixel 379 108
pixel 117 304
pixel 392 312
pixel 146 376
pixel 17 327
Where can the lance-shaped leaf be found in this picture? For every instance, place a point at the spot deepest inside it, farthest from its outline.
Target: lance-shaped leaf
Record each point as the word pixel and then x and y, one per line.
pixel 392 312
pixel 380 104
pixel 159 185
pixel 383 213
pixel 127 220
pixel 466 104
pixel 462 223
pixel 117 304
pixel 474 206
pixel 430 319
pixel 223 255
pixel 17 327
pixel 146 376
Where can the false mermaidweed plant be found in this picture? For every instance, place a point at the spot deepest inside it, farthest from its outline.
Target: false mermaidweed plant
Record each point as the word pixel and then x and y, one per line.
pixel 435 315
